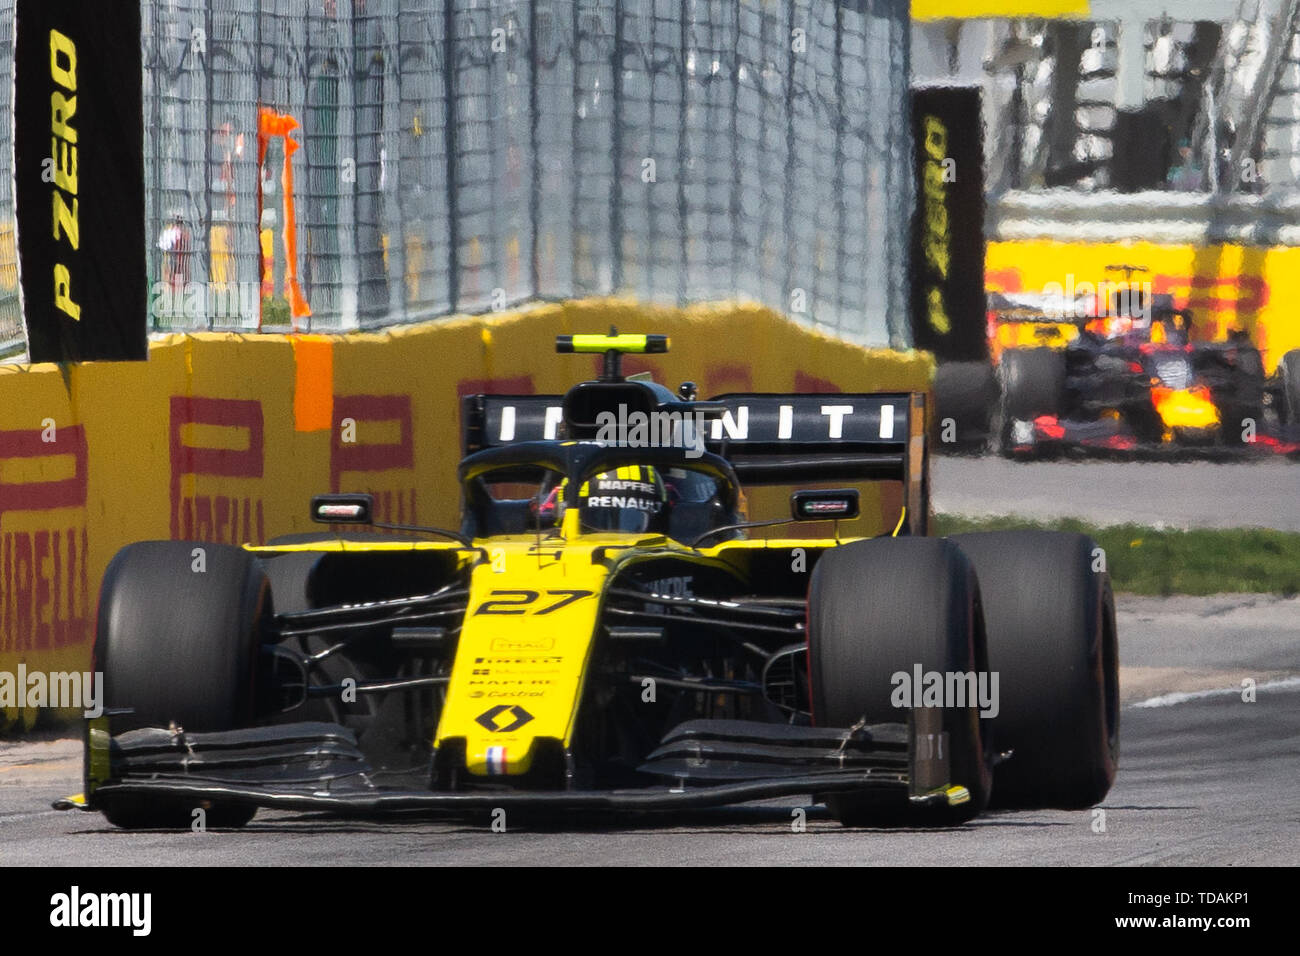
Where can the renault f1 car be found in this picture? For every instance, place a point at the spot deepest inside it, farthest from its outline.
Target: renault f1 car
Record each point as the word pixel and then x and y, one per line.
pixel 607 630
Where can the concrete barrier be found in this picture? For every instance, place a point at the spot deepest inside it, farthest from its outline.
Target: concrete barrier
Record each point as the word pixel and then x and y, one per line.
pixel 223 437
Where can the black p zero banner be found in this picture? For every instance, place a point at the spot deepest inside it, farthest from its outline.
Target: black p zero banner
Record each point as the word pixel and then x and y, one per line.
pixel 948 227
pixel 79 179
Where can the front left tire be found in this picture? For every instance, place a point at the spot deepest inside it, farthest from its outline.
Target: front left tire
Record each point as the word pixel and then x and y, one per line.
pixel 1032 385
pixel 179 630
pixel 882 606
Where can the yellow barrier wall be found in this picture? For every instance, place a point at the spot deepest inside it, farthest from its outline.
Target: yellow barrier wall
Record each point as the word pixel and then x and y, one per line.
pixel 223 437
pixel 1225 286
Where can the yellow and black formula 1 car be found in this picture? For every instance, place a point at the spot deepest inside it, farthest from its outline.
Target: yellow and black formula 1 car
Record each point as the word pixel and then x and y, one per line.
pixel 607 631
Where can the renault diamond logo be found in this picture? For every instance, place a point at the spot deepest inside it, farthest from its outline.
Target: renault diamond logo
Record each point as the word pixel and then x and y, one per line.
pixel 488 719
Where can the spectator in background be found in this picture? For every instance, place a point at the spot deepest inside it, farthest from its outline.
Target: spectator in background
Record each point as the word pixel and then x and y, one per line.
pixel 175 241
pixel 1188 176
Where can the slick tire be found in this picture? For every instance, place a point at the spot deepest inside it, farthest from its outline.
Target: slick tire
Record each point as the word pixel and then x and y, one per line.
pixel 290 573
pixel 177 642
pixel 1052 642
pixel 1288 372
pixel 1032 384
pixel 1246 399
pixel 882 606
pixel 965 396
pixel 290 577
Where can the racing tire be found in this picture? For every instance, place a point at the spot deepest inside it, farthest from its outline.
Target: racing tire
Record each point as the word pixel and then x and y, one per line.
pixel 290 573
pixel 967 393
pixel 177 642
pixel 1288 373
pixel 1032 384
pixel 1052 641
pixel 290 578
pixel 1246 398
pixel 881 606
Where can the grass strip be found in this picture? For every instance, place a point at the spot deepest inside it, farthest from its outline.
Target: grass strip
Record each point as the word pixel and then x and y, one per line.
pixel 1150 560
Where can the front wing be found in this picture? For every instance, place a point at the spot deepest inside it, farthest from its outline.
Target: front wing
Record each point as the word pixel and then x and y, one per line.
pixel 703 763
pixel 1048 434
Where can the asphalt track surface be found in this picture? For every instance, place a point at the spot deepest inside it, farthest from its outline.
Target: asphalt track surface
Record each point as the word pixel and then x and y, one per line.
pixel 1179 494
pixel 1205 778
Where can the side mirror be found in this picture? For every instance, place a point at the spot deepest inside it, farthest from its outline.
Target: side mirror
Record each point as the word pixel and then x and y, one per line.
pixel 831 505
pixel 343 509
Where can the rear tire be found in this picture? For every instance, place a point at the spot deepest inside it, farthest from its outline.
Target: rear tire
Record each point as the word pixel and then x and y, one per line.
pixel 1244 399
pixel 290 572
pixel 177 642
pixel 1033 384
pixel 881 606
pixel 1052 641
pixel 966 393
pixel 1288 371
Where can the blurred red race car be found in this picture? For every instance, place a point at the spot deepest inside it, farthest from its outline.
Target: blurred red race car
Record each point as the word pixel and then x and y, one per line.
pixel 1118 374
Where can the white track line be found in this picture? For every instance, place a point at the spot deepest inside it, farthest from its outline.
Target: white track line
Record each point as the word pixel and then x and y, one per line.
pixel 1181 697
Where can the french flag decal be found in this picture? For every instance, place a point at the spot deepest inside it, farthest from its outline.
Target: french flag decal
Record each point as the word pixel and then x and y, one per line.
pixel 496 760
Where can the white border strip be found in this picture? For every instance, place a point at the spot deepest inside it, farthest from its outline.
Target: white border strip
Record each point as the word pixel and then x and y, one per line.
pixel 1182 697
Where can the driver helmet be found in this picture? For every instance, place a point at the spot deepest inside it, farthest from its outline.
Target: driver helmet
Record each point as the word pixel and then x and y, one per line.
pixel 632 498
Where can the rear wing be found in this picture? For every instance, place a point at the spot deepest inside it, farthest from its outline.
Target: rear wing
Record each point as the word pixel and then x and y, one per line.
pixel 768 438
